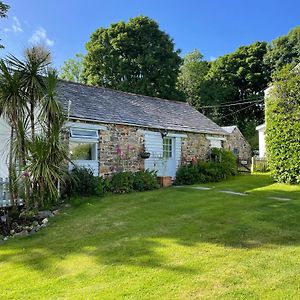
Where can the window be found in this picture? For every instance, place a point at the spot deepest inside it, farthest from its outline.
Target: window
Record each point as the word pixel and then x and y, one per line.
pixel 236 151
pixel 84 133
pixel 215 143
pixel 83 151
pixel 167 147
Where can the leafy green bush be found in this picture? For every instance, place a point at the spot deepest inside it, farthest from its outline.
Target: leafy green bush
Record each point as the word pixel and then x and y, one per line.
pixel 145 180
pixel 81 182
pixel 222 165
pixel 122 182
pixel 187 174
pixel 283 126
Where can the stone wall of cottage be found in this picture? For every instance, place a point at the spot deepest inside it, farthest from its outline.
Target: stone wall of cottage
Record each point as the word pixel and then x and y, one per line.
pixel 120 146
pixel 196 145
pixel 238 141
pixel 119 149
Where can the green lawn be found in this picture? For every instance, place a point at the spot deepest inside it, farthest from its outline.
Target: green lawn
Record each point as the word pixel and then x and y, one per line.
pixel 175 243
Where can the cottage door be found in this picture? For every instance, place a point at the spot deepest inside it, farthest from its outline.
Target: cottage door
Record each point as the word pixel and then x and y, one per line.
pixel 169 157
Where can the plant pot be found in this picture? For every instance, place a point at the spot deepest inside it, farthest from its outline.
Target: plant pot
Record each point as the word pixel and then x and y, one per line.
pixel 164 181
pixel 145 155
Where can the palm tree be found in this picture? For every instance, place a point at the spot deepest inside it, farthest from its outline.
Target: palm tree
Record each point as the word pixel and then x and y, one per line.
pixel 28 102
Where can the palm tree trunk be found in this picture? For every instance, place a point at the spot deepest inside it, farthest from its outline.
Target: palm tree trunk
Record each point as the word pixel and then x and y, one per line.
pixel 11 167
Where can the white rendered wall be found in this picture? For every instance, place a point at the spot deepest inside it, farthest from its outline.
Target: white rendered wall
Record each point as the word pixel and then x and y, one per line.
pixel 4 147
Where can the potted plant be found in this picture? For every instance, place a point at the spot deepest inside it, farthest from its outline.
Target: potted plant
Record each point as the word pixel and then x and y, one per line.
pixel 164 181
pixel 144 154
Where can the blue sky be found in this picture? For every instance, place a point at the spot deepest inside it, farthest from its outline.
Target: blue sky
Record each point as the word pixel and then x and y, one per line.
pixel 215 27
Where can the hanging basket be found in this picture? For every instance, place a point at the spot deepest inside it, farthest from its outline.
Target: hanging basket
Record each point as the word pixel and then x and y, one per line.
pixel 145 155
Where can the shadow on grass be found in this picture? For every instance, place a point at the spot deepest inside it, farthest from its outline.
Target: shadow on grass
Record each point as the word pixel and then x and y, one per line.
pixel 136 229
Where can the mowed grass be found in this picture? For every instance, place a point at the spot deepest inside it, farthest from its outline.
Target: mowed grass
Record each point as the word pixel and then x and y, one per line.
pixel 175 243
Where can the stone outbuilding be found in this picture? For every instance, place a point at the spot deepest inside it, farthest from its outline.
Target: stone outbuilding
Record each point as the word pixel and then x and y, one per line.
pixel 238 144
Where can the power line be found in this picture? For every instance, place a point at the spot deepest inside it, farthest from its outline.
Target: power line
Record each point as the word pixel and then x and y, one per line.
pixel 233 103
pixel 237 111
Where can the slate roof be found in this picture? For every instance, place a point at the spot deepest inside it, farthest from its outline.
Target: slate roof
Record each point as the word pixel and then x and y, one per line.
pixel 229 129
pixel 116 107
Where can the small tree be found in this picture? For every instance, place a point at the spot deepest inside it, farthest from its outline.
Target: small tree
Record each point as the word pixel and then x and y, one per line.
pixel 283 126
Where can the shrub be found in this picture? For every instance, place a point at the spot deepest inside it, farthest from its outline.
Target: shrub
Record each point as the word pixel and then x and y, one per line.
pixel 221 166
pixel 145 180
pixel 283 126
pixel 81 182
pixel 187 174
pixel 122 182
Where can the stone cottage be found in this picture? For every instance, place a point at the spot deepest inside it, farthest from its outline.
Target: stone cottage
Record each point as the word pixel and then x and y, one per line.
pixel 110 130
pixel 238 144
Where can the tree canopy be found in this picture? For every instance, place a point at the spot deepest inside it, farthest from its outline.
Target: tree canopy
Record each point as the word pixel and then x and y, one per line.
pixel 3 13
pixel 284 50
pixel 217 87
pixel 136 57
pixel 72 69
pixel 191 79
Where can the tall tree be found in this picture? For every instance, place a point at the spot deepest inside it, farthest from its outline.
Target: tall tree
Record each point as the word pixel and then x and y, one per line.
pixel 3 13
pixel 284 50
pixel 72 69
pixel 239 77
pixel 136 57
pixel 191 79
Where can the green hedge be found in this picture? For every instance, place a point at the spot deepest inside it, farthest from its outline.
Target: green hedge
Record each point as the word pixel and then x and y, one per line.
pixel 221 165
pixel 283 126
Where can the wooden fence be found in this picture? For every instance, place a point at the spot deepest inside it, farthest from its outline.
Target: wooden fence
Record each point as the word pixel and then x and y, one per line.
pixel 5 200
pixel 259 164
pixel 4 193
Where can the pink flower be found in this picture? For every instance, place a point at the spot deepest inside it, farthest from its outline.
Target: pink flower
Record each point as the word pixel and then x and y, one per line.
pixel 25 174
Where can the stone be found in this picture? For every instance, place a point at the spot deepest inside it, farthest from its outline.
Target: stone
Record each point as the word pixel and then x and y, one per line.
pixel 44 214
pixel 35 223
pixel 3 219
pixel 280 199
pixel 233 193
pixel 45 221
pixel 22 233
pixel 5 238
pixel 55 212
pixel 12 232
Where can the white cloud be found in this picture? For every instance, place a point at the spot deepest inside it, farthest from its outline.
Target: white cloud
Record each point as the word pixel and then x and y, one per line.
pixel 40 36
pixel 15 27
pixel 212 58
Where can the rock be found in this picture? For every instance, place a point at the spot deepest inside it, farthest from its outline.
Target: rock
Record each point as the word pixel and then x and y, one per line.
pixel 12 232
pixel 5 238
pixel 55 212
pixel 45 214
pixel 45 221
pixel 3 219
pixel 22 233
pixel 35 223
pixel 37 228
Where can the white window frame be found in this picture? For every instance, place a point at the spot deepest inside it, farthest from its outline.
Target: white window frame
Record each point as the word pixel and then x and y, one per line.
pixel 89 139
